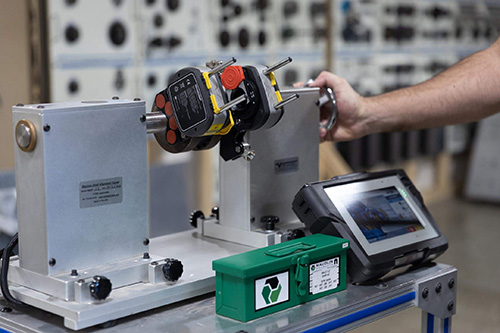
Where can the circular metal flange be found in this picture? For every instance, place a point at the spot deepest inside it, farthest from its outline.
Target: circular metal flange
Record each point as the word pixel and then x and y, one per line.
pixel 25 135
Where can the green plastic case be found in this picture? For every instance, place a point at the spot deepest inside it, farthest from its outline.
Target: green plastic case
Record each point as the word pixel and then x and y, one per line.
pixel 263 281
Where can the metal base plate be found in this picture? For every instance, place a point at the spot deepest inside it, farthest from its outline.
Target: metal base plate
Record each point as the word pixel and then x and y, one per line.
pixel 195 252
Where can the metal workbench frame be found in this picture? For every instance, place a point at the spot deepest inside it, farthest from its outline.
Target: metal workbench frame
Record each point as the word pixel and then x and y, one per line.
pixel 431 288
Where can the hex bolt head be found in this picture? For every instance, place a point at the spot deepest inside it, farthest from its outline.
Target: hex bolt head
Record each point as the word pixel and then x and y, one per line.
pixel 154 263
pixel 115 97
pixel 438 287
pixel 52 262
pixel 46 127
pixel 425 292
pixel 81 281
pixel 451 283
pixel 451 306
pixel 19 104
pixel 146 255
pixel 40 107
pixel 145 241
pixel 137 99
pixel 142 118
pixel 74 272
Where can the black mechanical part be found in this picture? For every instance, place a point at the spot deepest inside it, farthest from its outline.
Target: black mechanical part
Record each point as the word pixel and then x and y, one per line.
pixel 117 33
pixel 262 38
pixel 100 287
pixel 151 81
pixel 296 234
pixel 173 269
pixel 71 34
pixel 261 4
pixel 269 221
pixel 231 145
pixel 174 41
pixel 243 38
pixel 290 8
pixel 215 212
pixel 158 20
pixel 73 87
pixel 173 5
pixel 224 38
pixel 194 216
pixel 238 10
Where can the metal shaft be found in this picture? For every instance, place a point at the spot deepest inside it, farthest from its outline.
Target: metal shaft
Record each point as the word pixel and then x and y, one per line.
pixel 222 66
pixel 286 101
pixel 277 66
pixel 156 122
pixel 232 103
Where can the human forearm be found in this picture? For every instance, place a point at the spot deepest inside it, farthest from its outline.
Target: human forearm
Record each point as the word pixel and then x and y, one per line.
pixel 466 92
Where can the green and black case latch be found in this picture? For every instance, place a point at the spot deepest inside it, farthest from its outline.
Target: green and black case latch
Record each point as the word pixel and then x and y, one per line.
pixel 263 281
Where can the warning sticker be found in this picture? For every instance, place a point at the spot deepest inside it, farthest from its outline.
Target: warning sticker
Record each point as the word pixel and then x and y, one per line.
pixel 101 192
pixel 324 275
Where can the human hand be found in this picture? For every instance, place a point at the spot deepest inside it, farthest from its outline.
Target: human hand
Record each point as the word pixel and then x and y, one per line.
pixel 351 118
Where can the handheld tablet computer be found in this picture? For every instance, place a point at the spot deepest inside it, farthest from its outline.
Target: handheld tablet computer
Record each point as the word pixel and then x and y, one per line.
pixel 381 213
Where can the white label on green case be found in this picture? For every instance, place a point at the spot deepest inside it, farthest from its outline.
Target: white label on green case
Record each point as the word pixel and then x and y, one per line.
pixel 324 275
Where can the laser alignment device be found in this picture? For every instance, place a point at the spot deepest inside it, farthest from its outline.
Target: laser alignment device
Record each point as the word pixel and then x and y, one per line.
pixel 381 213
pixel 220 102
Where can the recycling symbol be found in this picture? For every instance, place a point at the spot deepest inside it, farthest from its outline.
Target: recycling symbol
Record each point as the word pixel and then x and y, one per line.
pixel 271 290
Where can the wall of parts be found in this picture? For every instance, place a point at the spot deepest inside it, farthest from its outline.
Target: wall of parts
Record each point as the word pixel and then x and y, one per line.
pixel 381 46
pixel 105 48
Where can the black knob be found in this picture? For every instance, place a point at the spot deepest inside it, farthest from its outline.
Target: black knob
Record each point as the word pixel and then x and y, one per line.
pixel 173 269
pixel 73 86
pixel 269 221
pixel 117 33
pixel 151 80
pixel 262 38
pixel 71 34
pixel 173 4
pixel 297 233
pixel 193 218
pixel 224 38
pixel 100 287
pixel 215 212
pixel 244 38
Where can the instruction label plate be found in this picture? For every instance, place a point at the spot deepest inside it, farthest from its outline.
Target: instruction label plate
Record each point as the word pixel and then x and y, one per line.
pixel 101 192
pixel 324 275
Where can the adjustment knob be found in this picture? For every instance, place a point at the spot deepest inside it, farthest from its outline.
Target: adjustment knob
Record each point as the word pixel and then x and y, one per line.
pixel 269 221
pixel 100 287
pixel 193 218
pixel 173 269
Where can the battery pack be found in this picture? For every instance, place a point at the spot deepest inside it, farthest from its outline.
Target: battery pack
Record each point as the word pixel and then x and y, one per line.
pixel 267 280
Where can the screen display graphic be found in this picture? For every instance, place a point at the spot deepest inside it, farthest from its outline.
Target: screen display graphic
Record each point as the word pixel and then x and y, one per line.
pixel 381 214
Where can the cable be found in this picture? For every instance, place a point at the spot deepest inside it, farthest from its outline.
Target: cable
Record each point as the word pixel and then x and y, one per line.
pixel 6 254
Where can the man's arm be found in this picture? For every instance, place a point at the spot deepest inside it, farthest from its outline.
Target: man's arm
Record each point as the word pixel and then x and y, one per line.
pixel 466 92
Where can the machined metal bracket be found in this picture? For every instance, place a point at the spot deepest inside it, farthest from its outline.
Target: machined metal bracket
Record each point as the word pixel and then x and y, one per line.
pixel 437 297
